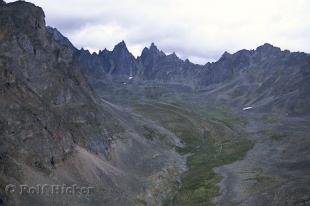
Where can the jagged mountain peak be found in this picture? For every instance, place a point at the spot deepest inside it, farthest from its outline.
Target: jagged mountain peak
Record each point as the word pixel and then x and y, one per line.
pixel 151 54
pixel 57 36
pixel 174 56
pixel 153 47
pixel 28 16
pixel 242 56
pixel 267 48
pixel 103 52
pixel 120 47
pixel 19 5
pixel 267 45
pixel 225 55
pixel 152 51
pixel 84 50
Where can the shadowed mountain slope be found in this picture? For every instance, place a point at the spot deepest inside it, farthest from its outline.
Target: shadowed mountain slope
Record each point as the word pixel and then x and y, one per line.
pixel 56 130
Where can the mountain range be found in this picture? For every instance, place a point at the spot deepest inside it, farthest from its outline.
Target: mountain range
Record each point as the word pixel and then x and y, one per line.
pixel 151 130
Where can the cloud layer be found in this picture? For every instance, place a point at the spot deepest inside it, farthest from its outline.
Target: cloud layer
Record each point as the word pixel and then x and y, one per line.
pixel 200 30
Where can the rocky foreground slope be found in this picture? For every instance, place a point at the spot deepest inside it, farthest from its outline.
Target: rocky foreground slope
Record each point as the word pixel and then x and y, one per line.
pixel 125 125
pixel 56 130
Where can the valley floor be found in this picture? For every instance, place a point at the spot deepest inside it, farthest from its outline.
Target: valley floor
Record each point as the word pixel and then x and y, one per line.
pixel 276 171
pixel 211 137
pixel 235 157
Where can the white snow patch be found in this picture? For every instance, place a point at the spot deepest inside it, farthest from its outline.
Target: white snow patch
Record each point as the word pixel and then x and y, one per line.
pixel 247 108
pixel 131 77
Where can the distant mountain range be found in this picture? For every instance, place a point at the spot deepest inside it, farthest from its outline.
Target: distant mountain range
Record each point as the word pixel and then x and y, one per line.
pixel 283 75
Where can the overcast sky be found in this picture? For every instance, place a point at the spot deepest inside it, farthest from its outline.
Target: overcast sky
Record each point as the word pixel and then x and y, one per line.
pixel 200 30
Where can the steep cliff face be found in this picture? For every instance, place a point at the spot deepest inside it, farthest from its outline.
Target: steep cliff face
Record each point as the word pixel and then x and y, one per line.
pixel 38 83
pixel 27 74
pixel 55 129
pixel 122 61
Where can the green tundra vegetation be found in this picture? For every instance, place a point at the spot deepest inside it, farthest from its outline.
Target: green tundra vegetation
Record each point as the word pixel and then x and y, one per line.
pixel 212 136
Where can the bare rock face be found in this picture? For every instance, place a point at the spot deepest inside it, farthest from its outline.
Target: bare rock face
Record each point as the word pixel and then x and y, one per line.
pixel 149 58
pixel 55 129
pixel 57 36
pixel 35 91
pixel 123 62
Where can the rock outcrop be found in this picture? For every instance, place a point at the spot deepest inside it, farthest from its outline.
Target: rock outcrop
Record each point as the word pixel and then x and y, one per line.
pixel 56 130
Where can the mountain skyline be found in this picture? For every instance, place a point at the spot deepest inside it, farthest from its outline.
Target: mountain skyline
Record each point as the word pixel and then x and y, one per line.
pixel 177 25
pixel 122 43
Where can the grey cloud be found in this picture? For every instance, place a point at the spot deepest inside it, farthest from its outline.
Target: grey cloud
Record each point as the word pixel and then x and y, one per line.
pixel 199 29
pixel 67 25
